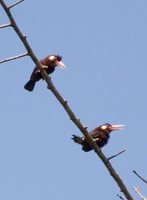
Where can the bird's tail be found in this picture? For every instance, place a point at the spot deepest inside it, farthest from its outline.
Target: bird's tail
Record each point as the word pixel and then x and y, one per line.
pixel 77 139
pixel 30 85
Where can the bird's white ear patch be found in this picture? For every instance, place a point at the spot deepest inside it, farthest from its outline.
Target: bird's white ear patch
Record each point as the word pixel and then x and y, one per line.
pixel 104 127
pixel 51 58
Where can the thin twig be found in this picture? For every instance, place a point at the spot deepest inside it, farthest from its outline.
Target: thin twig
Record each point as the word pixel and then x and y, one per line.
pixel 111 157
pixel 120 197
pixel 66 107
pixel 139 176
pixel 137 190
pixel 15 4
pixel 13 58
pixel 5 25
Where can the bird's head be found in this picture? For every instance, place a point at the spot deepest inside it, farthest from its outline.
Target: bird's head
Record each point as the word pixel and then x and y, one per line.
pixel 108 127
pixel 56 60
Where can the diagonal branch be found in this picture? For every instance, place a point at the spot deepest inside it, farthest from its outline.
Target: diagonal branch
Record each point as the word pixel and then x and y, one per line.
pixel 111 157
pixel 145 181
pixel 13 58
pixel 15 4
pixel 120 197
pixel 66 106
pixel 5 25
pixel 137 190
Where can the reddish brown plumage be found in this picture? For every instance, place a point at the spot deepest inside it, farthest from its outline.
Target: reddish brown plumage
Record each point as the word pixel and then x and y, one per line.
pixel 49 63
pixel 100 134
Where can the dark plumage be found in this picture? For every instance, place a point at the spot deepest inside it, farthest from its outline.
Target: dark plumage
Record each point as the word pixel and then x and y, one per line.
pixel 49 63
pixel 99 134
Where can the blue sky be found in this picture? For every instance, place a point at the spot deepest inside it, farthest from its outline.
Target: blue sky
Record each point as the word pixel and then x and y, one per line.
pixel 104 45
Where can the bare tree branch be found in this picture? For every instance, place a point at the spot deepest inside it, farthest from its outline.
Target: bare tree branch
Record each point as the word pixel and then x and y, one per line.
pixel 120 197
pixel 66 106
pixel 15 4
pixel 5 25
pixel 13 58
pixel 139 176
pixel 111 157
pixel 137 190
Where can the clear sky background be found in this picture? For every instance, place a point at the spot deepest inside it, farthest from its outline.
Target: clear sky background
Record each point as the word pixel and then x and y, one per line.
pixel 104 46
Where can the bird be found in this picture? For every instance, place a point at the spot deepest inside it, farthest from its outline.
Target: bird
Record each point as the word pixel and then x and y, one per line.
pixel 48 63
pixel 100 135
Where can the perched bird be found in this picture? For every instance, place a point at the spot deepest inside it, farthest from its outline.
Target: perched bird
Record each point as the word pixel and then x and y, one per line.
pixel 49 63
pixel 99 134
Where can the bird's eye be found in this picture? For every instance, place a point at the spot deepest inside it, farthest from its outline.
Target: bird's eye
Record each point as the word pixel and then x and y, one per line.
pixel 51 57
pixel 59 58
pixel 104 127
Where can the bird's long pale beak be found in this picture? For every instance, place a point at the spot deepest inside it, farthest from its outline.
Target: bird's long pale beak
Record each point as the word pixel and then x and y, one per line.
pixel 116 127
pixel 61 64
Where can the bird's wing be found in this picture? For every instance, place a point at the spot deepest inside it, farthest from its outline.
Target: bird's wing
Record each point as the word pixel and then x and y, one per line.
pixel 95 133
